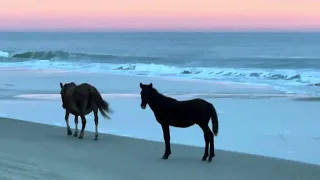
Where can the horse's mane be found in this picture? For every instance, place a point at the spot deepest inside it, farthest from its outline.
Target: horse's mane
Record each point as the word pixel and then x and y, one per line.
pixel 156 92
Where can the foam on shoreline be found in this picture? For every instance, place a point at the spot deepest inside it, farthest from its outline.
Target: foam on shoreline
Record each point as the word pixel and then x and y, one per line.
pixel 189 95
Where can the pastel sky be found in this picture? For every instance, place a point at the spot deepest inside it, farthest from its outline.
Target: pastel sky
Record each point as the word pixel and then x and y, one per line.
pixel 24 15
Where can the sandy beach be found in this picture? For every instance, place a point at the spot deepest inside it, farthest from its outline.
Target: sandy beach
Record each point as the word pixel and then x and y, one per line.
pixel 37 151
pixel 264 134
pixel 274 127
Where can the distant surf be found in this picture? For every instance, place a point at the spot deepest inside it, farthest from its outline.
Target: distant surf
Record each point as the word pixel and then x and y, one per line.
pixel 4 54
pixel 284 79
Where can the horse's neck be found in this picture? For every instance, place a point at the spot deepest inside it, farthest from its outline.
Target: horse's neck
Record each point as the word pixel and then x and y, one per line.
pixel 157 100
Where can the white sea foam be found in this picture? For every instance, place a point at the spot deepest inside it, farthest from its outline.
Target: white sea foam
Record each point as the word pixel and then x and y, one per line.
pixel 4 54
pixel 179 96
pixel 303 81
pixel 285 77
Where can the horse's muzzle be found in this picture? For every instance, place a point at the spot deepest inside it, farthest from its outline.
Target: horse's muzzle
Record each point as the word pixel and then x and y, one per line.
pixel 143 106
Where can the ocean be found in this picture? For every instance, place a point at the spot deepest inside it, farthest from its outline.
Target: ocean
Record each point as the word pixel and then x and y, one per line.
pixel 289 62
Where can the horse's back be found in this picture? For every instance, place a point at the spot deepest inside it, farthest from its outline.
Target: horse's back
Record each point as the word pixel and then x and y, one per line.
pixel 194 108
pixel 84 86
pixel 185 113
pixel 86 91
pixel 87 86
pixel 193 103
pixel 81 93
pixel 185 106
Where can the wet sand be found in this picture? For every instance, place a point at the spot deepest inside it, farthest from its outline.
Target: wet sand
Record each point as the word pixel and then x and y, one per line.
pixel 37 151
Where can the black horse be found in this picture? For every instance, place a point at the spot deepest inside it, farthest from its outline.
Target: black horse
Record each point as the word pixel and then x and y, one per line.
pixel 182 114
pixel 81 100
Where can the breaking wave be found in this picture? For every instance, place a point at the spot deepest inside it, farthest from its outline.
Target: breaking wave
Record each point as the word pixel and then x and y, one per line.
pixel 68 56
pixel 290 80
pixel 4 54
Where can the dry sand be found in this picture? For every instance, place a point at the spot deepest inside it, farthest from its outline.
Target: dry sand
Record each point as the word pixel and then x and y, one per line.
pixel 37 151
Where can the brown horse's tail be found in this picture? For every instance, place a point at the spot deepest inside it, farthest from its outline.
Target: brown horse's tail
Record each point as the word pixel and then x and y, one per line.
pixel 103 105
pixel 104 108
pixel 215 122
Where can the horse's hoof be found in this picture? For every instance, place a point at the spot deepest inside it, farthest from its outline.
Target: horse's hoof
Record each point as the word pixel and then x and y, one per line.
pixel 204 158
pixel 95 138
pixel 210 158
pixel 69 132
pixel 75 134
pixel 80 137
pixel 165 156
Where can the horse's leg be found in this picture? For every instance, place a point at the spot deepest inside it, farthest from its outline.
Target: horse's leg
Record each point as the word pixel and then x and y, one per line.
pixel 206 147
pixel 66 117
pixel 96 121
pixel 95 110
pixel 166 136
pixel 82 108
pixel 211 138
pixel 76 124
pixel 208 137
pixel 84 122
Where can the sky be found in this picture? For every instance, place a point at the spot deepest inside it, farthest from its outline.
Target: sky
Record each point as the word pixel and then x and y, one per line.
pixel 181 15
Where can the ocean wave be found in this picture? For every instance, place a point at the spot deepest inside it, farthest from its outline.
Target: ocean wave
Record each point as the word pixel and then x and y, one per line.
pixel 69 56
pixel 213 73
pixel 287 79
pixel 299 76
pixel 49 55
pixel 194 60
pixel 4 54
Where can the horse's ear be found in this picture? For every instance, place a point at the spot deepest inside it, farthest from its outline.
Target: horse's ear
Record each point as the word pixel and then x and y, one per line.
pixel 150 85
pixel 61 85
pixel 140 85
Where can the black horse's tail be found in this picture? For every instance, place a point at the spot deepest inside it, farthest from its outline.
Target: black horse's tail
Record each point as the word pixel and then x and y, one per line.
pixel 215 122
pixel 102 105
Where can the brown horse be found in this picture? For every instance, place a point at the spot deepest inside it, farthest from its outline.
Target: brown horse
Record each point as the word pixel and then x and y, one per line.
pixel 81 100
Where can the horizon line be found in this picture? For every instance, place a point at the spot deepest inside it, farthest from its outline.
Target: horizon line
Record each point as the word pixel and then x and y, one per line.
pixel 167 31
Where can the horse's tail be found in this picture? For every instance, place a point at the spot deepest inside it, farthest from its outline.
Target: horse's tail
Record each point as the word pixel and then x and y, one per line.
pixel 103 105
pixel 104 109
pixel 215 122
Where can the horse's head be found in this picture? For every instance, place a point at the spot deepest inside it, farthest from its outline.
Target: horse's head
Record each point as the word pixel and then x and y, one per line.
pixel 64 88
pixel 146 90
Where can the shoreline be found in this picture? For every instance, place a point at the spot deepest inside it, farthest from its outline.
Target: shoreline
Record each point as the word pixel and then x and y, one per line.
pixel 264 121
pixel 260 129
pixel 37 96
pixel 222 84
pixel 48 83
pixel 166 78
pixel 115 73
pixel 89 136
pixel 154 141
pixel 49 153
